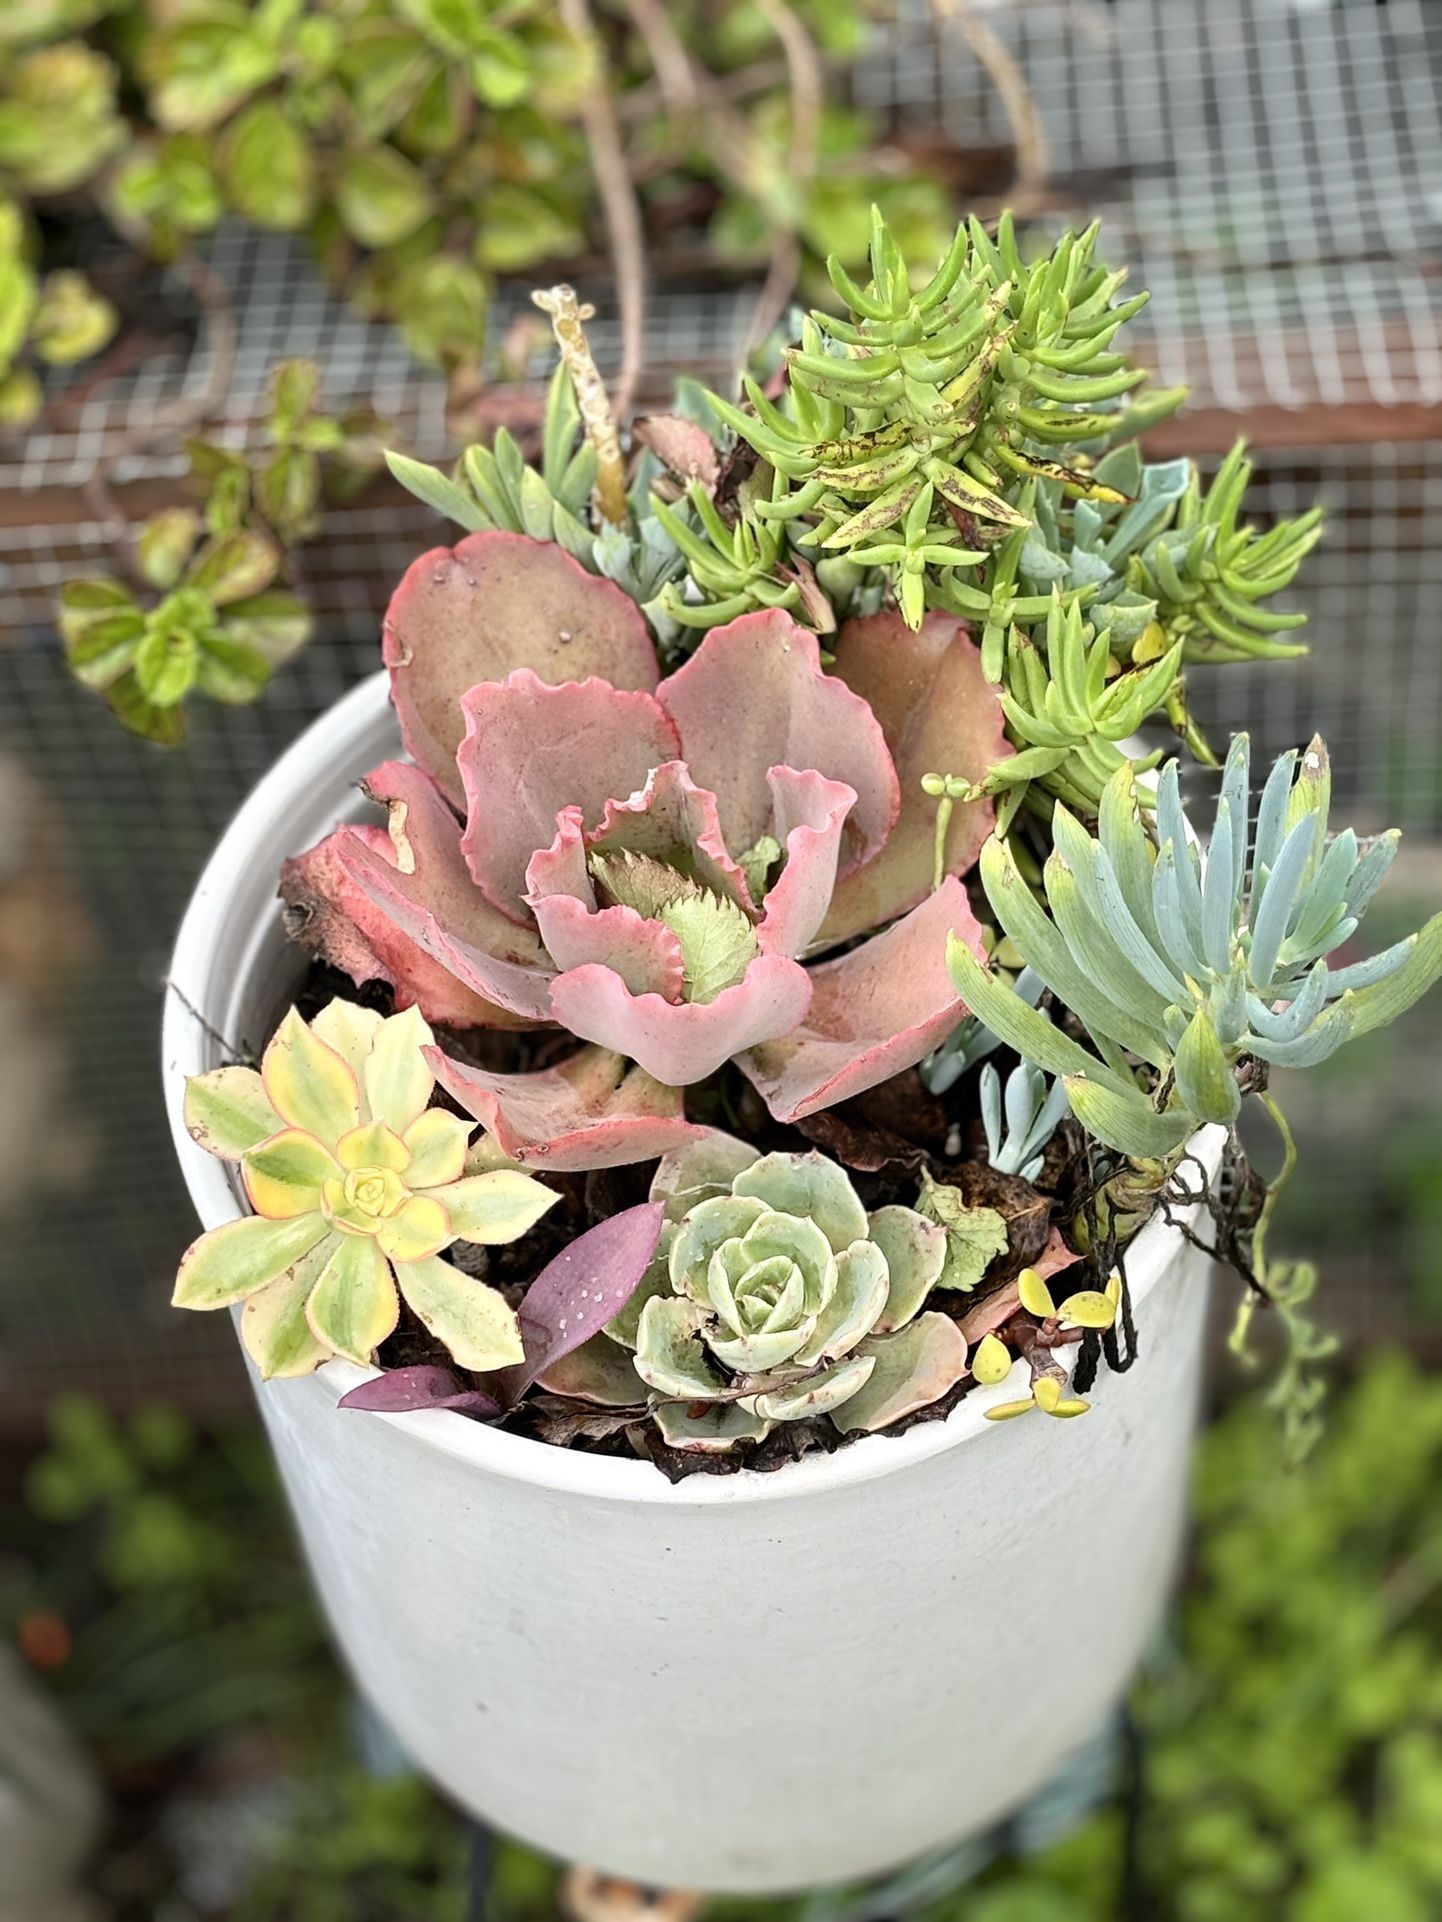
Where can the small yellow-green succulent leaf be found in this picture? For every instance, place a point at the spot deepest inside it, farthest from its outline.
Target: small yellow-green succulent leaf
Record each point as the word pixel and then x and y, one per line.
pixel 374 1145
pixel 1088 1308
pixel 476 1323
pixel 1009 1410
pixel 1050 1398
pixel 309 1084
pixel 228 1111
pixel 273 1323
pixel 398 1081
pixel 284 1176
pixel 437 1148
pixel 496 1207
pixel 1034 1295
pixel 350 1029
pixel 239 1257
pixel 354 1306
pixel 420 1226
pixel 992 1361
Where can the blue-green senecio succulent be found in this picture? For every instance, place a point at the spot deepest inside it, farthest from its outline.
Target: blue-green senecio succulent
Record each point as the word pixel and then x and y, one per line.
pixel 1191 963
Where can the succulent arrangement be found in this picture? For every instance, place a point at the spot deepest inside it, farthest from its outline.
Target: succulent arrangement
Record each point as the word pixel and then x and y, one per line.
pixel 777 872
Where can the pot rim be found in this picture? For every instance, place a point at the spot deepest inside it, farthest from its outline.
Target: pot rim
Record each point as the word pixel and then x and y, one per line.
pixel 264 823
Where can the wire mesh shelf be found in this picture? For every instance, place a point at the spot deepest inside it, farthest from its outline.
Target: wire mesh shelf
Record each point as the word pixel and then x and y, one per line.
pixel 1273 171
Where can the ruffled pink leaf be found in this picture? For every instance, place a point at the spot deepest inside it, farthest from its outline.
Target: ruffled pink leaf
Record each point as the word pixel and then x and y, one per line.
pixel 939 714
pixel 594 1111
pixel 682 1043
pixel 340 898
pixel 753 697
pixel 531 751
pixel 873 1012
pixel 578 1292
pixel 671 816
pixel 415 878
pixel 575 929
pixel 644 955
pixel 810 814
pixel 401 1391
pixel 496 602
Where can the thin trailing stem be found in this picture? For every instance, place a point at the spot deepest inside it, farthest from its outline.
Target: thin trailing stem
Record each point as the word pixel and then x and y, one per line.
pixel 1276 1185
pixel 807 92
pixel 1027 132
pixel 619 204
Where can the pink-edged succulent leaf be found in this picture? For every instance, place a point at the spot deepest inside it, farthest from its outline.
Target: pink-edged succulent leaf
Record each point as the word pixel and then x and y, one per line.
pixel 580 1290
pixel 398 904
pixel 401 1391
pixel 682 446
pixel 330 915
pixel 810 817
pixel 594 1111
pixel 873 1012
pixel 496 602
pixel 753 697
pixel 1055 1258
pixel 678 1043
pixel 532 750
pixel 939 714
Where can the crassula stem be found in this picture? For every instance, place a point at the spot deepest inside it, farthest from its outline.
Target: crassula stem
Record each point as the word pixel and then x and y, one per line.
pixel 568 317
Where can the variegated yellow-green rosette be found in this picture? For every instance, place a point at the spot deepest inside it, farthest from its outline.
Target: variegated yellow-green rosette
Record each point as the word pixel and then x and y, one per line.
pixel 358 1185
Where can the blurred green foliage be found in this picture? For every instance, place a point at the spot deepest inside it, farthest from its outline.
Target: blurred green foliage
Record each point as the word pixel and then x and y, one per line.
pixel 1291 1738
pixel 427 146
pixel 204 614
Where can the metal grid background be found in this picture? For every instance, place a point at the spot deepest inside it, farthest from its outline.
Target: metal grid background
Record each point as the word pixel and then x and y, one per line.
pixel 1301 146
pixel 1272 168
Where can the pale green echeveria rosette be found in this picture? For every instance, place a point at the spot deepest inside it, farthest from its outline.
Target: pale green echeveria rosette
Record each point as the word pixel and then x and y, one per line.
pixel 358 1186
pixel 775 1296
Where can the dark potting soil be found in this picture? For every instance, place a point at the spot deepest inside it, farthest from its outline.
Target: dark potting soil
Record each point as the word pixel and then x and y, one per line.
pixel 885 1138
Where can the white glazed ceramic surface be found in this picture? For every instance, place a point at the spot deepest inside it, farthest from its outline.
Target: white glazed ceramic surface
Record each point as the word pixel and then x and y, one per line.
pixel 744 1683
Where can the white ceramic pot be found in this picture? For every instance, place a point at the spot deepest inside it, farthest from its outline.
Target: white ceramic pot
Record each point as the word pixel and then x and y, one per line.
pixel 747 1683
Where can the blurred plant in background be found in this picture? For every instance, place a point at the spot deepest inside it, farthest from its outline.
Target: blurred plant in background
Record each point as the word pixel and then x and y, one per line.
pixel 202 611
pixel 1290 1743
pixel 428 146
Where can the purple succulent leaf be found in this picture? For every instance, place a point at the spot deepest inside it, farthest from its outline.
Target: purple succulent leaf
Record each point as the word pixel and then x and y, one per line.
pixel 496 602
pixel 577 1293
pixel 401 1391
